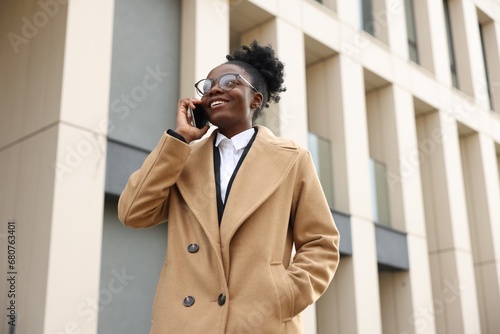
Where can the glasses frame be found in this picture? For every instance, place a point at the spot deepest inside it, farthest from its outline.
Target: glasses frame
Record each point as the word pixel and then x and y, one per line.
pixel 237 75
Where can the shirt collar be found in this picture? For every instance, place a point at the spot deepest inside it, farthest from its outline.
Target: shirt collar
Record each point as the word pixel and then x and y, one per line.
pixel 239 141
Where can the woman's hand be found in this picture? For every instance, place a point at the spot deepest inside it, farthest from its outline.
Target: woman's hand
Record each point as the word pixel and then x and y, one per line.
pixel 183 121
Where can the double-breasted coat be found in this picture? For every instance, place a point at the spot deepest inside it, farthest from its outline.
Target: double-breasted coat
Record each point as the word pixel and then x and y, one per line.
pixel 237 275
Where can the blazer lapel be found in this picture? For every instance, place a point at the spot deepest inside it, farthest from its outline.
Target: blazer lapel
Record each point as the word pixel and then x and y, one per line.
pixel 197 186
pixel 264 168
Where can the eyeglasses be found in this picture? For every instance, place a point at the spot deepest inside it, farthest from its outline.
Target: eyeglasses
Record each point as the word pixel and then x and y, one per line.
pixel 227 82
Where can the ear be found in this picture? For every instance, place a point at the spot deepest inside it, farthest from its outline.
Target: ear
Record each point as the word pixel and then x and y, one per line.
pixel 257 101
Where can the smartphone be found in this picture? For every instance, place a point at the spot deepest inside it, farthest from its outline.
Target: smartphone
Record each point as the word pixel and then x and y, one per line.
pixel 199 119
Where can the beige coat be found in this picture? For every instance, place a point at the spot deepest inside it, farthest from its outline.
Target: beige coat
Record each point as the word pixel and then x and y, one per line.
pixel 240 278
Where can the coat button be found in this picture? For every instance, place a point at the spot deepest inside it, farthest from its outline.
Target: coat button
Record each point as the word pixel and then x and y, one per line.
pixel 188 301
pixel 222 299
pixel 193 248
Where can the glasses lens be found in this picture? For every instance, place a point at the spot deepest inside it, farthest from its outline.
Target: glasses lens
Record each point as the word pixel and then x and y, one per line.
pixel 206 85
pixel 228 81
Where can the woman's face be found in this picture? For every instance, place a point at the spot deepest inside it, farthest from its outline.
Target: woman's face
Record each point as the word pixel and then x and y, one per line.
pixel 231 111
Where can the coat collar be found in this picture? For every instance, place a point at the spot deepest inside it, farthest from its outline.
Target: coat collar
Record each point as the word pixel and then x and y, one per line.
pixel 266 165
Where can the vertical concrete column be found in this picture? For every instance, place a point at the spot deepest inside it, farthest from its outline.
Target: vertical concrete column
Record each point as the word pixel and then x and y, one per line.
pixel 293 105
pixel 348 126
pixel 431 38
pixel 54 149
pixel 350 11
pixel 266 34
pixel 288 118
pixel 483 196
pixel 468 51
pixel 397 37
pixel 31 54
pixel 72 292
pixel 204 40
pixel 337 307
pixel 453 282
pixel 393 140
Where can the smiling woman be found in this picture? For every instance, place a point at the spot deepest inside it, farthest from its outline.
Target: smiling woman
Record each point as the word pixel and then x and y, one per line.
pixel 229 265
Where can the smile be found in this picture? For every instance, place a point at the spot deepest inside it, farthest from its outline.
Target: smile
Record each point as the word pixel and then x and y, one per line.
pixel 217 103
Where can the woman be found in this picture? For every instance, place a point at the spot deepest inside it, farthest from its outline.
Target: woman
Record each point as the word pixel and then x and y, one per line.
pixel 236 203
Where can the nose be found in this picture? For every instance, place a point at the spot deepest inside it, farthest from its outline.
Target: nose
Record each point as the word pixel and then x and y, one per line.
pixel 215 88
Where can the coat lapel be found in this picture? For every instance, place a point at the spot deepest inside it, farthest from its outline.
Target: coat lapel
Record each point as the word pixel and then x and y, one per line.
pixel 197 186
pixel 266 165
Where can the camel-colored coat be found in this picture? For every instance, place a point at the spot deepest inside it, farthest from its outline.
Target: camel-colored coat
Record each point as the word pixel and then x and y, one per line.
pixel 241 275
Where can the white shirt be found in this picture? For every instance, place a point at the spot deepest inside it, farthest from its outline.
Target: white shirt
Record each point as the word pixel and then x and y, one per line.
pixel 230 153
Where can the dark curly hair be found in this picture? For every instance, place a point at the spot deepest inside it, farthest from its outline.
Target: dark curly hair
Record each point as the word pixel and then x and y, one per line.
pixel 265 69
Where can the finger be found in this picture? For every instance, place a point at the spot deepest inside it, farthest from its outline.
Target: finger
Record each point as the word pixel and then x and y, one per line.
pixel 205 129
pixel 183 104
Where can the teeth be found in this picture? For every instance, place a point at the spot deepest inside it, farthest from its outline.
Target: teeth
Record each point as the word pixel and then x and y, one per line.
pixel 216 103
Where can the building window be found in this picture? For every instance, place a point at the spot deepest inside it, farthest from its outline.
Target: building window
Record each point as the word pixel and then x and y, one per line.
pixel 410 28
pixel 367 17
pixel 380 192
pixel 497 146
pixel 451 50
pixel 488 84
pixel 321 149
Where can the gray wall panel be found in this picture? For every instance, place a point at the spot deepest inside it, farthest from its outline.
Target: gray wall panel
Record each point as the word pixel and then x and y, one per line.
pixel 131 264
pixel 392 248
pixel 343 223
pixel 143 99
pixel 145 71
pixel 122 161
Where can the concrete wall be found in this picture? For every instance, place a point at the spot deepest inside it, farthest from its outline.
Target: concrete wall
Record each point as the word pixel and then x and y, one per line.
pixel 54 97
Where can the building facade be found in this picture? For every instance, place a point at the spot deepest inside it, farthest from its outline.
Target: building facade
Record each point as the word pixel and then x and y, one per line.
pixel 398 101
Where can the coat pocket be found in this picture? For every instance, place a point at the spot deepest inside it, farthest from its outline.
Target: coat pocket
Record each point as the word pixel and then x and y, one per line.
pixel 284 290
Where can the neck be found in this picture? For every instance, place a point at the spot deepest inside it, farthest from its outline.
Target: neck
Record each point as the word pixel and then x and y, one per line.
pixel 231 133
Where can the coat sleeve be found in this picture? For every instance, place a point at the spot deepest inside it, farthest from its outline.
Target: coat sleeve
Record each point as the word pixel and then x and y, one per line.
pixel 144 201
pixel 316 238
